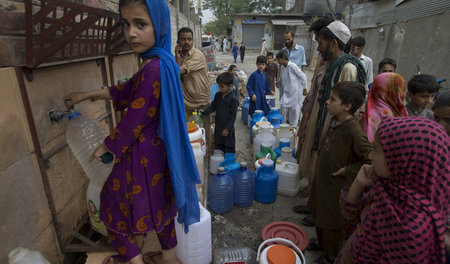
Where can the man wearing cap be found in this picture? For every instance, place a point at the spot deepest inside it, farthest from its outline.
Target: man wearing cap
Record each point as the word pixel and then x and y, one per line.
pixel 332 40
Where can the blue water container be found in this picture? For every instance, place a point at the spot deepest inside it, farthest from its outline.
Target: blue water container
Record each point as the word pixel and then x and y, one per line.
pixel 245 106
pixel 220 192
pixel 257 115
pixel 284 142
pixel 275 117
pixel 243 186
pixel 266 182
pixel 230 164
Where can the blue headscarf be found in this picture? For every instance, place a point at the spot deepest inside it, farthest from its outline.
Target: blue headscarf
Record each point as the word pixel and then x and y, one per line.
pixel 172 127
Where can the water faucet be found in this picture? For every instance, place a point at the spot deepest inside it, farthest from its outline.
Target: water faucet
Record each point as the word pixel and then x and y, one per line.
pixel 56 115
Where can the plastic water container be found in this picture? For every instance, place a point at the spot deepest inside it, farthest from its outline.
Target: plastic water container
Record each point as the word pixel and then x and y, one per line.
pixel 198 153
pixel 195 246
pixel 215 160
pixel 275 117
pixel 264 136
pixel 270 100
pixel 286 155
pixel 245 107
pixel 266 148
pixel 195 118
pixel 277 253
pixel 234 255
pixel 243 186
pixel 21 255
pixel 84 135
pixel 284 142
pixel 266 182
pixel 257 115
pixel 196 135
pixel 230 164
pixel 286 131
pixel 289 179
pixel 220 192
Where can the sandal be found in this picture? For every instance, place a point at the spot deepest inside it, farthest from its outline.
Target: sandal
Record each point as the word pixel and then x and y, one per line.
pixel 313 245
pixel 300 209
pixel 308 221
pixel 108 259
pixel 148 257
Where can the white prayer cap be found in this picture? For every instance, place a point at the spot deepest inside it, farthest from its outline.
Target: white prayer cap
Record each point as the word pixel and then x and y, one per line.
pixel 340 30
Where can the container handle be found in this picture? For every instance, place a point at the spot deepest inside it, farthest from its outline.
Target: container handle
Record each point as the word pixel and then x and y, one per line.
pixel 279 239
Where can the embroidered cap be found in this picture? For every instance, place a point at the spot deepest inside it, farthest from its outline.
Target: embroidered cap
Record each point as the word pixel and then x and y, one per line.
pixel 340 30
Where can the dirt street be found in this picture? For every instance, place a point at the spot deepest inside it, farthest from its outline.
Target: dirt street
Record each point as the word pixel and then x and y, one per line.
pixel 243 226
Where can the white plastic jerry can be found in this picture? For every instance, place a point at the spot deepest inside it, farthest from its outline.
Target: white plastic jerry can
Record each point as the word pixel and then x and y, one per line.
pixel 195 246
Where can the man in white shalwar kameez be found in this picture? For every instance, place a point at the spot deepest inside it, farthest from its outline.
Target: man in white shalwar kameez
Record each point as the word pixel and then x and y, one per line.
pixel 293 83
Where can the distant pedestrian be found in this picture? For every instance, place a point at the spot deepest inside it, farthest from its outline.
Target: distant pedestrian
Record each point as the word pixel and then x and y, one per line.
pixel 242 51
pixel 235 51
pixel 292 82
pixel 225 105
pixel 387 65
pixel 258 86
pixel 422 89
pixel 357 47
pixel 263 47
pixel 273 74
pixel 217 45
pixel 224 44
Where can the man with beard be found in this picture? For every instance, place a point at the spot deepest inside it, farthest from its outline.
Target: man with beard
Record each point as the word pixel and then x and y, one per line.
pixel 194 79
pixel 295 51
pixel 332 40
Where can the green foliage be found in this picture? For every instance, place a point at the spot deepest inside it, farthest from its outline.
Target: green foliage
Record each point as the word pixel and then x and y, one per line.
pixel 223 10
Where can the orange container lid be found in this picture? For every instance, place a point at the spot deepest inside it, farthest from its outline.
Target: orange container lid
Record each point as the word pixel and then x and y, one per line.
pixel 280 254
pixel 191 127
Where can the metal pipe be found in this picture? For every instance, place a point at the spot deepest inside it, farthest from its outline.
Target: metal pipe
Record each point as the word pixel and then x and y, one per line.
pixel 38 152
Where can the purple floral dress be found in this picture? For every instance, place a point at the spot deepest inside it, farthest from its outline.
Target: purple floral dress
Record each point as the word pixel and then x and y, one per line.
pixel 137 197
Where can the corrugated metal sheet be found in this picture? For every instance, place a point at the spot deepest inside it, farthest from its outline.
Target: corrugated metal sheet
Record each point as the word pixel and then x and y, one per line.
pixel 290 22
pixel 373 14
pixel 414 9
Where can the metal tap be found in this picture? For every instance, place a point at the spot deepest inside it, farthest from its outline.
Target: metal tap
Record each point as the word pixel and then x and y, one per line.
pixel 56 115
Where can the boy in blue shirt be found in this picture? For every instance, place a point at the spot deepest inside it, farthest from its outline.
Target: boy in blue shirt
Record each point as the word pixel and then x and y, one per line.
pixel 257 87
pixel 235 51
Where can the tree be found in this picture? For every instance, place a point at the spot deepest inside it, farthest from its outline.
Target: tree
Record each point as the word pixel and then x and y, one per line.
pixel 223 10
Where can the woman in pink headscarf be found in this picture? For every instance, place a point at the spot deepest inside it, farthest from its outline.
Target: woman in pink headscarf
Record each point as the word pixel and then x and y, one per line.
pixel 385 98
pixel 402 218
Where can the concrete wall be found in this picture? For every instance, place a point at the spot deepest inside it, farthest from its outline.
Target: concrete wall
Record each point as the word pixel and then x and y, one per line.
pixel 422 42
pixel 27 220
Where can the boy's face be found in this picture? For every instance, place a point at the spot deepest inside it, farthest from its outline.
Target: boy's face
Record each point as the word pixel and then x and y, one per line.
pixel 269 59
pixel 356 51
pixel 386 68
pixel 233 71
pixel 442 116
pixel 335 106
pixel 224 88
pixel 261 66
pixel 282 61
pixel 421 99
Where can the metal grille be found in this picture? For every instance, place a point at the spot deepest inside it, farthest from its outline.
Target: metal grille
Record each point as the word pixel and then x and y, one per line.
pixel 58 30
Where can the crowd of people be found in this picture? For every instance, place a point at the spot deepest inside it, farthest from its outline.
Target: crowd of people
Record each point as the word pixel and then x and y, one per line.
pixel 378 168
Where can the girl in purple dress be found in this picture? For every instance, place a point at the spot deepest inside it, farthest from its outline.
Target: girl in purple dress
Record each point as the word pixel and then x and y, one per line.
pixel 154 172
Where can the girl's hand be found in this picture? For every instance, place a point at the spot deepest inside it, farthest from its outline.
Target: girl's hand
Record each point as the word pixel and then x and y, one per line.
pixel 98 153
pixel 254 98
pixel 74 98
pixel 340 172
pixel 365 176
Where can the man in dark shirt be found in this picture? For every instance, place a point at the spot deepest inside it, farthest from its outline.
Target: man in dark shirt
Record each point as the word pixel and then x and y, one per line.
pixel 225 105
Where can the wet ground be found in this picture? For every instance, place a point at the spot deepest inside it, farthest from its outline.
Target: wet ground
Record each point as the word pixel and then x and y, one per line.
pixel 243 226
